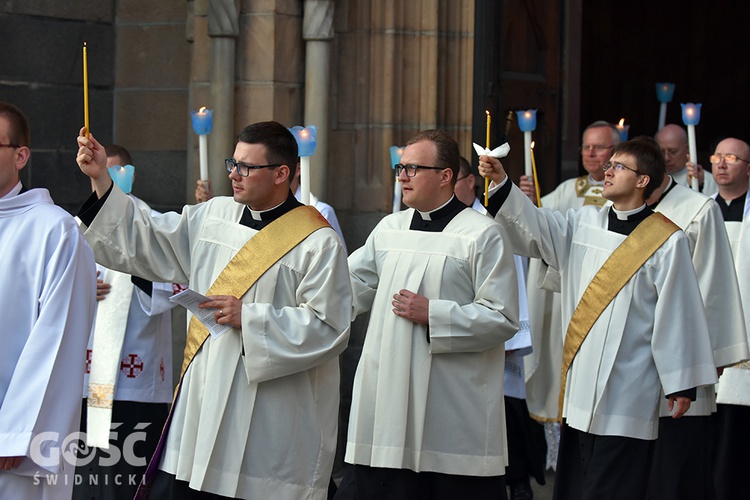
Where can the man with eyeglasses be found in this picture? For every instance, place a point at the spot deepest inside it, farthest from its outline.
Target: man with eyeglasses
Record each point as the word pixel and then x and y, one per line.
pixel 731 167
pixel 634 315
pixel 682 455
pixel 439 282
pixel 673 142
pixel 48 289
pixel 542 366
pixel 256 412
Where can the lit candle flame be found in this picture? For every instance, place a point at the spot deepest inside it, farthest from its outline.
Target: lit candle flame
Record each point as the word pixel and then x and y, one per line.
pixel 202 110
pixel 532 144
pixel 527 115
pixel 690 111
pixel 622 122
pixel 304 133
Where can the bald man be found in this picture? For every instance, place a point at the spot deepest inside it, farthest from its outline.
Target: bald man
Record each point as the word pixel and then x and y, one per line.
pixel 730 163
pixel 673 142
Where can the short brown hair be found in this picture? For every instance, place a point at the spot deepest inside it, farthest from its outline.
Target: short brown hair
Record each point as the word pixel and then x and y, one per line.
pixel 18 131
pixel 649 160
pixel 124 154
pixel 447 149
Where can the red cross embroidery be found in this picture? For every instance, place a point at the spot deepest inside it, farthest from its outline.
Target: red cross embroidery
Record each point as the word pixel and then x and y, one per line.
pixel 131 365
pixel 177 288
pixel 88 360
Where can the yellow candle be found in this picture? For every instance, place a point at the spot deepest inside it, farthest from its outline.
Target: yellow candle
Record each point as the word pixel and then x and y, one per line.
pixel 536 179
pixel 85 90
pixel 486 180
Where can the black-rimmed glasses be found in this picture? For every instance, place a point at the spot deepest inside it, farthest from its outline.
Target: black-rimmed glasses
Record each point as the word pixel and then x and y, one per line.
pixel 243 168
pixel 411 169
pixel 618 167
pixel 14 146
pixel 728 158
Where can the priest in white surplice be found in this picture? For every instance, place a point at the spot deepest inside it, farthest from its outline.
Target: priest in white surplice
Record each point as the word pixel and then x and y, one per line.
pixel 440 284
pixel 542 365
pixel 652 334
pixel 684 451
pixel 256 415
pixel 731 166
pixel 47 289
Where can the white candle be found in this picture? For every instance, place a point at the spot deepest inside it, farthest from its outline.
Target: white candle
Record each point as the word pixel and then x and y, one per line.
pixel 396 196
pixel 527 155
pixel 304 162
pixel 693 155
pixel 662 115
pixel 203 151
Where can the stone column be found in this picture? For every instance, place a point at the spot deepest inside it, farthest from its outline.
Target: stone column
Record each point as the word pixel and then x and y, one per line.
pixel 317 31
pixel 223 29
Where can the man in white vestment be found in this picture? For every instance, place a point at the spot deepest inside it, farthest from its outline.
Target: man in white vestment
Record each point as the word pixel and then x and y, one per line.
pixel 134 347
pixel 47 288
pixel 542 365
pixel 682 464
pixel 427 417
pixel 624 344
pixel 673 141
pixel 525 436
pixel 256 413
pixel 731 166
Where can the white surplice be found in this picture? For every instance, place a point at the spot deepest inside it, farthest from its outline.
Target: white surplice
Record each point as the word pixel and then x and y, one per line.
pixel 734 383
pixel 653 335
pixel 542 366
pixel 431 399
pixel 258 408
pixel 700 218
pixel 48 290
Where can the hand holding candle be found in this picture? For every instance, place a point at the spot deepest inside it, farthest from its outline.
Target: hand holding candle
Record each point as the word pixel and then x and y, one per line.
pixel 202 125
pixel 691 115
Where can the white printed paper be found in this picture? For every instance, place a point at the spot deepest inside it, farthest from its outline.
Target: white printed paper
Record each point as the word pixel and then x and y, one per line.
pixel 190 299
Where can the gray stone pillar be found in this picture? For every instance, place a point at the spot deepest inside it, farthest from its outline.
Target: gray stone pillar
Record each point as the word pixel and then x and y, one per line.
pixel 317 31
pixel 223 29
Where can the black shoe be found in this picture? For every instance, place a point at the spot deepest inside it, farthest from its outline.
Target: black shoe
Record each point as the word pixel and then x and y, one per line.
pixel 521 491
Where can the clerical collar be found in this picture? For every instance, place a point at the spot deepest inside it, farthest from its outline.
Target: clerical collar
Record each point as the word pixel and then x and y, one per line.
pixel 671 185
pixel 438 219
pixel 437 213
pixel 625 214
pixel 594 182
pixel 733 211
pixel 259 219
pixel 13 192
pixel 624 221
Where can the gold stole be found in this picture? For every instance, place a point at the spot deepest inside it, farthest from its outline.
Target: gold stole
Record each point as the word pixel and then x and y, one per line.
pixel 257 256
pixel 616 271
